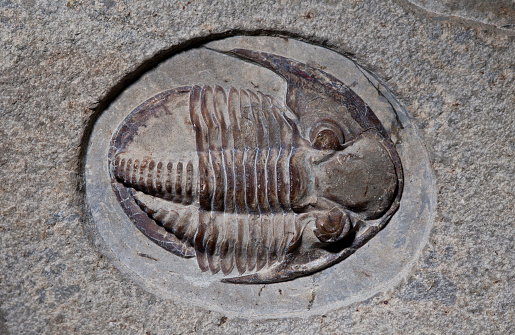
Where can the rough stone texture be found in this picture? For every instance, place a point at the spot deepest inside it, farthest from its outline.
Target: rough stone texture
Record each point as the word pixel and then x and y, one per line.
pixel 499 14
pixel 60 59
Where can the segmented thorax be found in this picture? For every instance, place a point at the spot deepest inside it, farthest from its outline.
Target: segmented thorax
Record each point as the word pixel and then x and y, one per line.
pixel 244 146
pixel 237 180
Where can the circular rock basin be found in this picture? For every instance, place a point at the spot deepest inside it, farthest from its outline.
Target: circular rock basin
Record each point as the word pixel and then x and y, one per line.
pixel 349 197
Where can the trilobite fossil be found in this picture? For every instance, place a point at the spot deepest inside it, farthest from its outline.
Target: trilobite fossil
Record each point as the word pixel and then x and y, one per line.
pixel 251 186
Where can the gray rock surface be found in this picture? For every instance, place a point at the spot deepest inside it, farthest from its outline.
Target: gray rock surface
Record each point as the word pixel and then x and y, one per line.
pixel 62 61
pixel 498 14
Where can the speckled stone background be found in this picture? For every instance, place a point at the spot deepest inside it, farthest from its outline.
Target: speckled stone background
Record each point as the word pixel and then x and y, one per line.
pixel 451 63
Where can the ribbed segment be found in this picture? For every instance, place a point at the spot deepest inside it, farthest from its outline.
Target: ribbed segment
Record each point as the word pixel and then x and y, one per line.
pixel 242 182
pixel 181 223
pixel 244 145
pixel 159 178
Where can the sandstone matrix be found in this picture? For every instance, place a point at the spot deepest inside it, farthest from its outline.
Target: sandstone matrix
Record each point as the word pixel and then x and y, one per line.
pixel 450 65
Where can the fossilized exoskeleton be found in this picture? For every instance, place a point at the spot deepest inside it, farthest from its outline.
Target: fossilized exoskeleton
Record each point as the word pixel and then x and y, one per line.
pixel 255 187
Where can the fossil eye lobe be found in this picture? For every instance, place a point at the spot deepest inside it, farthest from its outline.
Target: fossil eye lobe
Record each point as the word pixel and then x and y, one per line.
pixel 326 135
pixel 326 140
pixel 333 226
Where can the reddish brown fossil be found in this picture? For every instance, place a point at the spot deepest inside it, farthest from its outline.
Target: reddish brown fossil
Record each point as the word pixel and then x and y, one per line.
pixel 273 192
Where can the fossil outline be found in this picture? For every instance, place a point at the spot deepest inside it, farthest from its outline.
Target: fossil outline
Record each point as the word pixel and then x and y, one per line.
pixel 263 177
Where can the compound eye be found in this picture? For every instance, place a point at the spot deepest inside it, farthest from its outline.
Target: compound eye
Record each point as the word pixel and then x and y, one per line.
pixel 326 136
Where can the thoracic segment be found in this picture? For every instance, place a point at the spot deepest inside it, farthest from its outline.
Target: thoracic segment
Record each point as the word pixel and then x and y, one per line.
pixel 244 146
pixel 224 241
pixel 247 242
pixel 163 179
pixel 241 182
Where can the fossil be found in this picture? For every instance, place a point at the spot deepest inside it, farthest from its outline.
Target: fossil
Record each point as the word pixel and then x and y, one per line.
pixel 251 186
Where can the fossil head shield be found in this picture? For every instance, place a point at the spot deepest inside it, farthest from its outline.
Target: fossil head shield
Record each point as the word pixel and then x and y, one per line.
pixel 260 190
